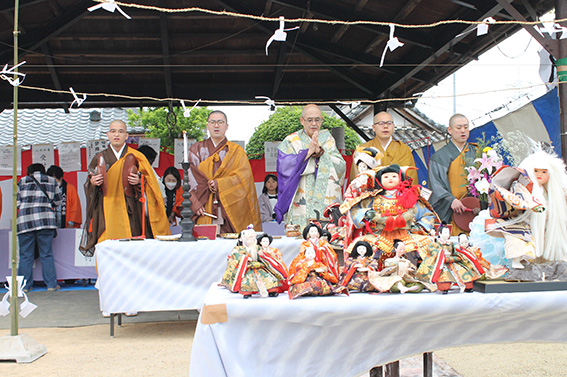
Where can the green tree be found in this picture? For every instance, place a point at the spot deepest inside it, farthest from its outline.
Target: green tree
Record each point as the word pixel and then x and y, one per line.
pixel 284 121
pixel 158 122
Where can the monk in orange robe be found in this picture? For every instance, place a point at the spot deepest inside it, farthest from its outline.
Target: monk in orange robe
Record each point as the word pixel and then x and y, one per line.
pixel 222 184
pixel 392 151
pixel 113 214
pixel 447 174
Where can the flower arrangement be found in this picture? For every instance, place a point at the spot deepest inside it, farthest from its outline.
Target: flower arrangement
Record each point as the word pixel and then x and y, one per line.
pixel 479 174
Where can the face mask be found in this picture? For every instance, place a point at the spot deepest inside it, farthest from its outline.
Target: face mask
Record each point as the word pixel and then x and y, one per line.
pixel 170 185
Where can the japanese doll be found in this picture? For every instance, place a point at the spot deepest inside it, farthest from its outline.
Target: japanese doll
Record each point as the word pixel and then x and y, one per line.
pixel 265 241
pixel 397 275
pixel 446 265
pixel 250 270
pixel 393 210
pixel 315 271
pixel 357 266
pixel 491 271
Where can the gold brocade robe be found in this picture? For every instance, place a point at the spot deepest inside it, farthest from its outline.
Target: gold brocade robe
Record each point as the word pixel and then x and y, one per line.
pixel 396 153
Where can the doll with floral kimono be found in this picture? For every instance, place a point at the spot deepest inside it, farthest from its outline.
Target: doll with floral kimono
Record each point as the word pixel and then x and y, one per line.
pixel 365 160
pixel 250 270
pixel 265 241
pixel 315 271
pixel 394 210
pixel 397 276
pixel 446 265
pixel 357 266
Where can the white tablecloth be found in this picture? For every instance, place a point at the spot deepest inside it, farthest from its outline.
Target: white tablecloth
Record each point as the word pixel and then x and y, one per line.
pixel 346 336
pixel 151 275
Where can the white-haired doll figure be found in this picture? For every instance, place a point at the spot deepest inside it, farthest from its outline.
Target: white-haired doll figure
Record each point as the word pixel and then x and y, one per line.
pixel 549 228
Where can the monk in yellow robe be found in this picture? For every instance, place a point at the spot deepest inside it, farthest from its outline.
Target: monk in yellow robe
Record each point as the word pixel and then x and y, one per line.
pixel 393 151
pixel 112 214
pixel 447 174
pixel 221 179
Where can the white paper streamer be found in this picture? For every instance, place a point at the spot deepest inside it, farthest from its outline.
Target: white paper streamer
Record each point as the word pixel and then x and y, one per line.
pixel 393 43
pixel 18 76
pixel 481 29
pixel 26 307
pixel 187 112
pixel 77 100
pixel 4 306
pixel 108 6
pixel 280 34
pixel 552 28
pixel 268 101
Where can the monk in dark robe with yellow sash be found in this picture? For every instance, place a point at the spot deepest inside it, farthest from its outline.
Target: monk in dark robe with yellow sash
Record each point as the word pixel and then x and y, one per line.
pixel 222 183
pixel 447 174
pixel 112 214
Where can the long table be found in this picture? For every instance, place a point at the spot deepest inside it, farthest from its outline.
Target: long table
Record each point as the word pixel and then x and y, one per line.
pixel 152 275
pixel 346 336
pixel 69 262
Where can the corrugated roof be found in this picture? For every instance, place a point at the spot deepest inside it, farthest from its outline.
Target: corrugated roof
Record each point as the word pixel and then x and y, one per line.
pixel 39 126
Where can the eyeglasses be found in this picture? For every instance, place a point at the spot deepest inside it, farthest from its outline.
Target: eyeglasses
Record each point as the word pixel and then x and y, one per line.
pixel 311 120
pixel 384 123
pixel 113 131
pixel 213 122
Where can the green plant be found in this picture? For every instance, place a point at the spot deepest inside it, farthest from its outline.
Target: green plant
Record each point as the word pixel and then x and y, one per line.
pixel 283 122
pixel 166 126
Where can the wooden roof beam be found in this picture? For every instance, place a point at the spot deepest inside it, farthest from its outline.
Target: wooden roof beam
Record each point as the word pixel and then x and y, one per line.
pixel 53 73
pixel 342 30
pixel 346 75
pixel 35 38
pixel 8 6
pixel 403 13
pixel 329 12
pixel 550 45
pixel 165 53
pixel 278 76
pixel 446 43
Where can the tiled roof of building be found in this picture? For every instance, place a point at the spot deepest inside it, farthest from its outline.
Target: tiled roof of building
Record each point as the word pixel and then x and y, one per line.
pixel 39 126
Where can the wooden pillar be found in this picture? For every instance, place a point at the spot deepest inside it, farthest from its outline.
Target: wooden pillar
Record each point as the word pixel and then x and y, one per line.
pixel 561 12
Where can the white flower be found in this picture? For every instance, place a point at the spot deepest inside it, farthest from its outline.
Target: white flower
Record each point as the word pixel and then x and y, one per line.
pixel 482 186
pixel 493 154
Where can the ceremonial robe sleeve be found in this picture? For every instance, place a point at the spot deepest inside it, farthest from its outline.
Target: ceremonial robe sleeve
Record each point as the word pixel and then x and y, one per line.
pixel 406 159
pixel 290 166
pixel 338 161
pixel 441 197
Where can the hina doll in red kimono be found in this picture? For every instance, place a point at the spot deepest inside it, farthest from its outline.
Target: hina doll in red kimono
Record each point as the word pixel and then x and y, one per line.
pixel 358 265
pixel 491 271
pixel 250 270
pixel 446 265
pixel 315 271
pixel 265 241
